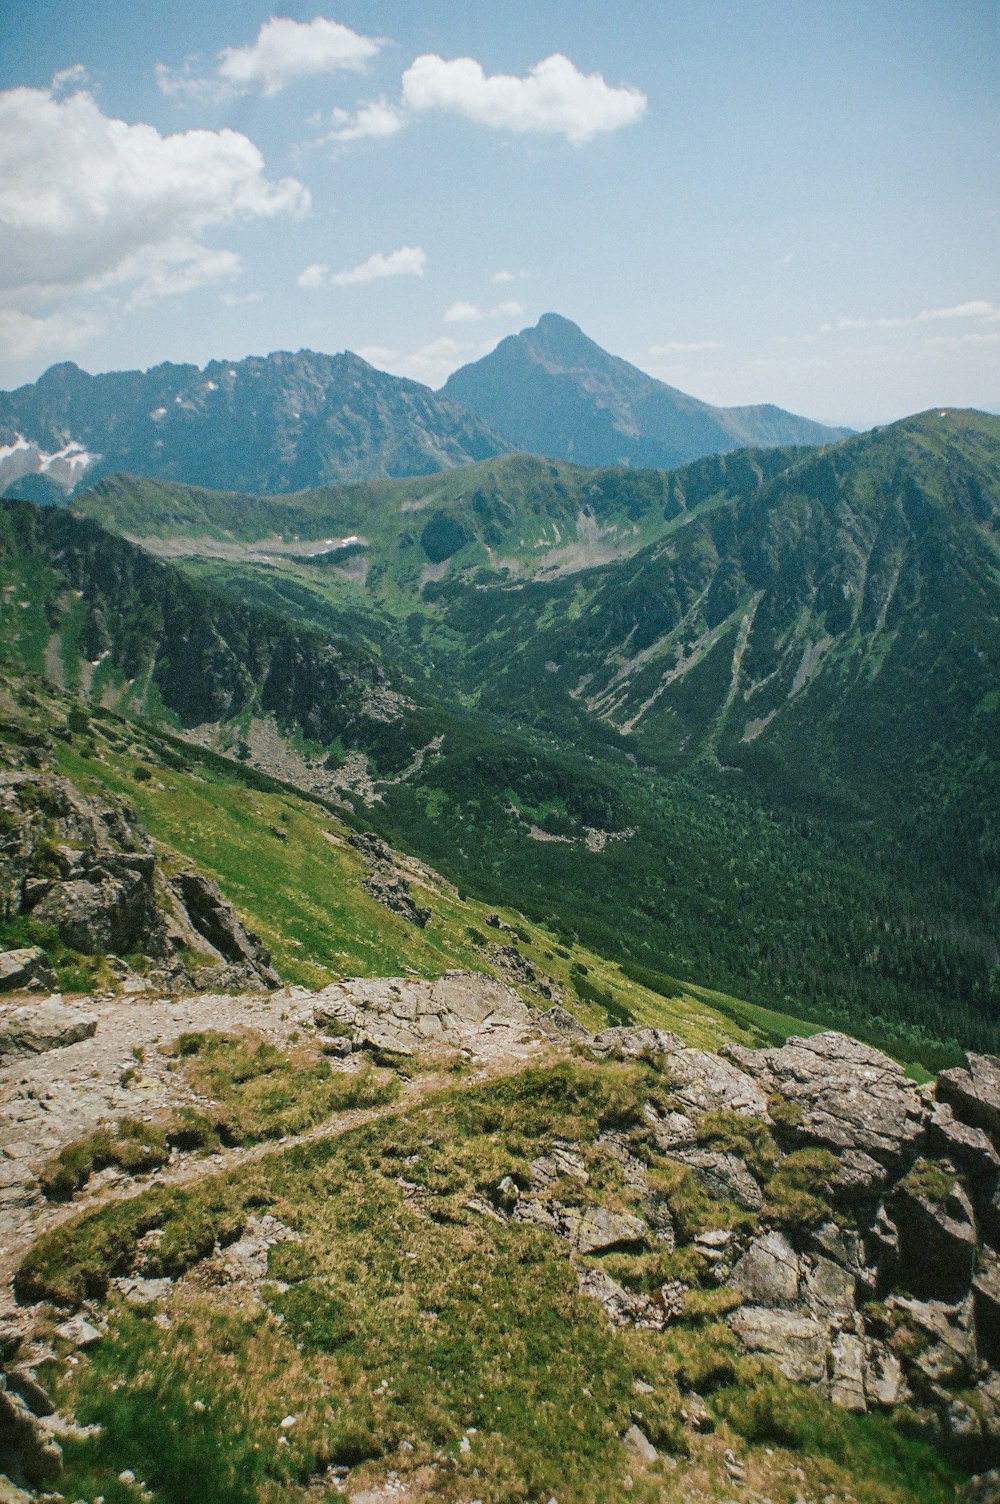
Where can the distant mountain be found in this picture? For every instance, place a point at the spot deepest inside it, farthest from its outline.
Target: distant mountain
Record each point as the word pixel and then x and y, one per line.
pixel 275 423
pixel 552 391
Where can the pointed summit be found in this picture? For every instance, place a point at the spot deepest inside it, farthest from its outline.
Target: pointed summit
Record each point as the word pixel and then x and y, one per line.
pixel 552 391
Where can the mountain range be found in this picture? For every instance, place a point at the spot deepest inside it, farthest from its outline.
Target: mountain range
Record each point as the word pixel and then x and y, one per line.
pixel 289 421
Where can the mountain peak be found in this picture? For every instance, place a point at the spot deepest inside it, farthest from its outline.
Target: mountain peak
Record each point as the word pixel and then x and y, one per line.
pixel 553 391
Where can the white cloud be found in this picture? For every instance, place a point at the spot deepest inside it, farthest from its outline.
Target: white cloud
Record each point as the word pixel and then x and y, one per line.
pixel 408 261
pixel 554 98
pixel 91 202
pixel 23 335
pixel 178 266
pixel 471 313
pixel 68 78
pixel 315 275
pixel 977 309
pixel 284 50
pixel 374 119
pixel 238 299
pixel 432 363
pixel 684 347
pixel 504 276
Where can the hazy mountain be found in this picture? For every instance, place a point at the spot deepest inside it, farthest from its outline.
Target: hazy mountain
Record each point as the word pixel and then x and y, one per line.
pixel 552 391
pixel 275 423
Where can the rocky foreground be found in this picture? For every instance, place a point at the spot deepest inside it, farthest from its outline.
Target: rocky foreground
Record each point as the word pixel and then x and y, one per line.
pixel 879 1287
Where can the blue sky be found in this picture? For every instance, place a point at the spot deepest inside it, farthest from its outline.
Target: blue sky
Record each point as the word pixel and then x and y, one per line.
pixel 756 200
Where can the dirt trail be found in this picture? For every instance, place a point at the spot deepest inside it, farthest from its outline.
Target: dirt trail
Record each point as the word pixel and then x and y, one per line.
pixel 51 1099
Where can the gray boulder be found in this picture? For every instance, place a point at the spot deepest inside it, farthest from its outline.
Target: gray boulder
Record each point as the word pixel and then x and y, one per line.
pixel 702 1082
pixel 798 1343
pixel 596 1229
pixel 559 1024
pixel 33 1028
pixel 974 1092
pixel 628 1043
pixel 982 1489
pixel 769 1273
pixel 217 922
pixel 724 1176
pixel 26 970
pixel 401 1014
pixel 986 1300
pixel 967 1147
pixel 26 1450
pixel 104 911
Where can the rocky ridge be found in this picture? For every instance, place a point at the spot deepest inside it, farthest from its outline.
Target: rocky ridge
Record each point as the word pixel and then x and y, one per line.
pixel 880 1288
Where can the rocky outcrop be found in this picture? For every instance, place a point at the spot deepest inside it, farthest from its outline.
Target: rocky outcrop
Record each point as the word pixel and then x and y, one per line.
pixel 842 1094
pixel 216 921
pixel 28 1453
pixel 87 869
pixel 384 883
pixel 893 1296
pixel 974 1093
pixel 400 1015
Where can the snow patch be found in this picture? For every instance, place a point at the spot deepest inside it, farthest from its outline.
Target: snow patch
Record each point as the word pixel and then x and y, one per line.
pixel 65 466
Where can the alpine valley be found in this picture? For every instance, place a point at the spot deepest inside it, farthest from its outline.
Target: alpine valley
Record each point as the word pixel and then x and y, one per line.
pixel 499 897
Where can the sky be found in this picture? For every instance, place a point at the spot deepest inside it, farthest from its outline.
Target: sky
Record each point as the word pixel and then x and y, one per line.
pixel 789 201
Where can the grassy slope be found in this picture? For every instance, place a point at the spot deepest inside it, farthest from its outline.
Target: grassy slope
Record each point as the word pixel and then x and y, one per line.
pixel 414 1333
pixel 286 864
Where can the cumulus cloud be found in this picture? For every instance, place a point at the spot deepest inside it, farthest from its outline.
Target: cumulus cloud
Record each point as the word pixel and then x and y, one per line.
pixel 283 51
pixel 375 118
pixel 555 98
pixel 408 261
pixel 91 202
pixel 504 276
pixel 470 313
